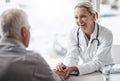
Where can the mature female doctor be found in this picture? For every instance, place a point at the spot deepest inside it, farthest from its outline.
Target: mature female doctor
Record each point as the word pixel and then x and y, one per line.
pixel 89 43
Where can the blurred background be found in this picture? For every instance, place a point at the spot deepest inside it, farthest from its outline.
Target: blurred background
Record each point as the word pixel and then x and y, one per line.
pixel 51 21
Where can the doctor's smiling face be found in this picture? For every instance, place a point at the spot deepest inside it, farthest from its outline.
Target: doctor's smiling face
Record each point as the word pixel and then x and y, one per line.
pixel 85 16
pixel 84 19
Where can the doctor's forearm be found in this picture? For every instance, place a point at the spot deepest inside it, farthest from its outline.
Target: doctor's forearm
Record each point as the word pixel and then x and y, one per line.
pixel 88 67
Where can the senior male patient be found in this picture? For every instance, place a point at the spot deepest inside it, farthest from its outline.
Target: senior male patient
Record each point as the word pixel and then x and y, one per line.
pixel 16 63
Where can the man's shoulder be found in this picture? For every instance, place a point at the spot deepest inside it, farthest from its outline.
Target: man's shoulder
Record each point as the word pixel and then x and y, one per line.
pixel 31 55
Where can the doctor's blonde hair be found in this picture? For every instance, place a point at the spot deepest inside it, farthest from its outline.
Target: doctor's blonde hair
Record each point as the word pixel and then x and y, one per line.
pixel 89 6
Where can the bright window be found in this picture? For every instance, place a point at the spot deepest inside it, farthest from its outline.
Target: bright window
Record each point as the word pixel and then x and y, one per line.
pixel 110 15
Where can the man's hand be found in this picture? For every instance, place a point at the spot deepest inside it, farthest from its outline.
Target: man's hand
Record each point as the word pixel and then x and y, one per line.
pixel 61 67
pixel 62 74
pixel 64 71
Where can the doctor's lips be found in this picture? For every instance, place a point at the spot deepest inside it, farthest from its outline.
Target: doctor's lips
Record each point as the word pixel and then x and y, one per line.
pixel 81 25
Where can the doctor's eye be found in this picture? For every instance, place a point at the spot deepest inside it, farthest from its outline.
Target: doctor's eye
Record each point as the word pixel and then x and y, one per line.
pixel 83 16
pixel 76 17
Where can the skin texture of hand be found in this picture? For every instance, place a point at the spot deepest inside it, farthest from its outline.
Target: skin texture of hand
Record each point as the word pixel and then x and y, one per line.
pixel 71 69
pixel 64 68
pixel 64 71
pixel 61 67
pixel 62 74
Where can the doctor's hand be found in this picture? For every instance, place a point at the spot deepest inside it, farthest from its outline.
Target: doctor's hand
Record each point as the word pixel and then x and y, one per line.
pixel 61 67
pixel 72 69
pixel 62 74
pixel 66 72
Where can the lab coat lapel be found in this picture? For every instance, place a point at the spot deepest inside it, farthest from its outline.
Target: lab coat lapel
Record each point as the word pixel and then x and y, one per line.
pixel 93 36
pixel 91 48
pixel 83 45
pixel 83 40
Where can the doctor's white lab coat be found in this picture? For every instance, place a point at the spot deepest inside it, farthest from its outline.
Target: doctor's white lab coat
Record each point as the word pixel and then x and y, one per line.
pixel 93 57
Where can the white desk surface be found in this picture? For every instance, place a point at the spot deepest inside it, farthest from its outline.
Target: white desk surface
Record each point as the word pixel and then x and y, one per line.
pixel 97 76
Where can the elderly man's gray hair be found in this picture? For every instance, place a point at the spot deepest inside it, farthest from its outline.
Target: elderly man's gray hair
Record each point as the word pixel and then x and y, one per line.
pixel 11 22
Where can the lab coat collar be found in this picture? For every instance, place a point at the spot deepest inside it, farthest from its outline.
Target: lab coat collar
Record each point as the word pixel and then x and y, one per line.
pixel 94 34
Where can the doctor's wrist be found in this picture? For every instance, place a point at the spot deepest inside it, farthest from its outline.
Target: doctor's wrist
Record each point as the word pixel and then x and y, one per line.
pixel 73 69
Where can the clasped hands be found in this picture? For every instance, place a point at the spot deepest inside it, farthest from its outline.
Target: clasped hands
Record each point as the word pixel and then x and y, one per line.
pixel 64 71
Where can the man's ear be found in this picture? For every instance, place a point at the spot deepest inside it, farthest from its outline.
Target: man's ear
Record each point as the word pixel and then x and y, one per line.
pixel 24 36
pixel 23 32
